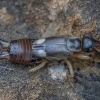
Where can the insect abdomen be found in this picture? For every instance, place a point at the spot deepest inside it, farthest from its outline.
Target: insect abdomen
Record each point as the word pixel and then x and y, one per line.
pixel 21 51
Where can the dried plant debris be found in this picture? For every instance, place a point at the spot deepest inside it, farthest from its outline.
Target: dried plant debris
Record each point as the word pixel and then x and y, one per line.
pixel 40 19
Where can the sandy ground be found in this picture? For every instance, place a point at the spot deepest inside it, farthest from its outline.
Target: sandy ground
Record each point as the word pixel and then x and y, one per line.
pixel 39 19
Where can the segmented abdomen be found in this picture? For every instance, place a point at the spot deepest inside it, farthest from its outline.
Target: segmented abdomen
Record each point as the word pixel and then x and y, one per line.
pixel 21 51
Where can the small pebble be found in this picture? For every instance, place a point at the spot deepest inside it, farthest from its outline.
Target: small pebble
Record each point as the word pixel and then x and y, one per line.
pixel 75 80
pixel 80 75
pixel 76 74
pixel 78 69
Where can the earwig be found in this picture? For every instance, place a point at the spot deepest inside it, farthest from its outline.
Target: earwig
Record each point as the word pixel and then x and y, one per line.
pixel 28 51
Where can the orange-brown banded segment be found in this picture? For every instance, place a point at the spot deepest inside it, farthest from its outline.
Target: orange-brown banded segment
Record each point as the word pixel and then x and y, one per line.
pixel 21 51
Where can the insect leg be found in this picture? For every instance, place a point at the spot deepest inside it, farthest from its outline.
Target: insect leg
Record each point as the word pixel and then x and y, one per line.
pixel 84 56
pixel 70 67
pixel 70 77
pixel 38 67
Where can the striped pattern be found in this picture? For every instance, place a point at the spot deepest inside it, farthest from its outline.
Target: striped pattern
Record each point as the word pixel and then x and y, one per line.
pixel 21 51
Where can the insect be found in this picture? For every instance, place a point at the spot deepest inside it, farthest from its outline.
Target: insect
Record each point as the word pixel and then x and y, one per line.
pixel 26 51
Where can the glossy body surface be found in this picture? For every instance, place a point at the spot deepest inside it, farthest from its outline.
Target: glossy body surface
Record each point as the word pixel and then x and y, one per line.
pixel 21 51
pixel 56 46
pixel 89 44
pixel 24 51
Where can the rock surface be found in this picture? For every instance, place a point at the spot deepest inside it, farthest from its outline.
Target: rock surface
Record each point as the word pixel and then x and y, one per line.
pixel 42 18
